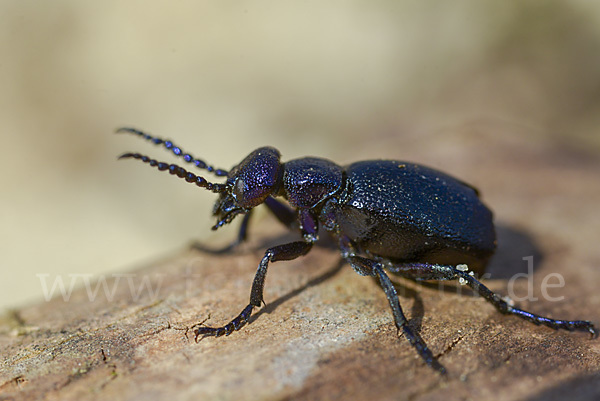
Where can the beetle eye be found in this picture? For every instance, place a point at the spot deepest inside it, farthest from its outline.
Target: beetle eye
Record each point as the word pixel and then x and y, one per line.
pixel 249 193
pixel 239 189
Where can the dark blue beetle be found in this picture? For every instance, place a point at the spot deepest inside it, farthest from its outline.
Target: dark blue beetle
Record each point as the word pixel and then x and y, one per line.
pixel 402 217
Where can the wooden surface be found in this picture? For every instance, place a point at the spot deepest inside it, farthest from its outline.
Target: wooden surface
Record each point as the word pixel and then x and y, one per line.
pixel 327 333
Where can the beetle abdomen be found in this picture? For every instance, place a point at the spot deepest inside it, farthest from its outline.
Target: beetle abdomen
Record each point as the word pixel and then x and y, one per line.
pixel 409 212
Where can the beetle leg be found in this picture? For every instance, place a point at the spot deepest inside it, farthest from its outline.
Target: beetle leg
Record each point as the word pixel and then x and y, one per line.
pixel 369 267
pixel 427 271
pixel 283 212
pixel 288 251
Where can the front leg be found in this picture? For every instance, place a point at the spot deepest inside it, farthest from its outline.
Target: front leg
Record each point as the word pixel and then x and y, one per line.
pixel 288 251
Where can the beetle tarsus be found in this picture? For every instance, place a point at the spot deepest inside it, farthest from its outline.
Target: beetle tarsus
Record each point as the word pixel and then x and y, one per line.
pixel 502 306
pixel 226 330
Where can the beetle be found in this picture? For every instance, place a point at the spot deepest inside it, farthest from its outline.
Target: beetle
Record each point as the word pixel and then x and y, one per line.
pixel 402 217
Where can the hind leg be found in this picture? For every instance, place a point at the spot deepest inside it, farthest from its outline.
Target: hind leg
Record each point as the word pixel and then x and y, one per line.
pixel 427 271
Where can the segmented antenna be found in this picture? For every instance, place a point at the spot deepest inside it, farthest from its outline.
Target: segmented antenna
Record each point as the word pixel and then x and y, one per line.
pixel 177 151
pixel 178 171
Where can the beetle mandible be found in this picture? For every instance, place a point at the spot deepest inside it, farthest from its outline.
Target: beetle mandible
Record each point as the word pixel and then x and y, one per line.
pixel 405 218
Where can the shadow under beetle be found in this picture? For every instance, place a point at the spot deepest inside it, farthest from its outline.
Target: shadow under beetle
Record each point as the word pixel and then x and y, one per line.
pixel 389 215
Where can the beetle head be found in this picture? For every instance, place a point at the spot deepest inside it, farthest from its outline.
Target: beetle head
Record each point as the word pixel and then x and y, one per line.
pixel 249 184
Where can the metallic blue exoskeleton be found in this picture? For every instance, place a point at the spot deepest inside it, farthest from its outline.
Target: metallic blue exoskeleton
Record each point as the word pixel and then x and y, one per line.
pixel 405 218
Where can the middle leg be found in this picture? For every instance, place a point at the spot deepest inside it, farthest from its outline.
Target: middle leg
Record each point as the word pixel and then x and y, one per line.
pixel 369 267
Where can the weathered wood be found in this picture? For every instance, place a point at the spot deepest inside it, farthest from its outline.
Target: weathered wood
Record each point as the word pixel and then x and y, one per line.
pixel 327 333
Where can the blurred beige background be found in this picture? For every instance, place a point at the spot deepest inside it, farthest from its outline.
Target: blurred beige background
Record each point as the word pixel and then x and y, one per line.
pixel 345 80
